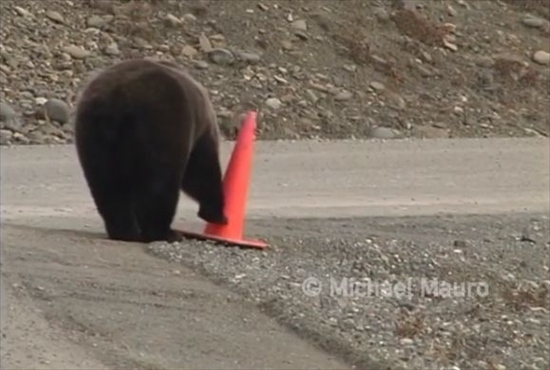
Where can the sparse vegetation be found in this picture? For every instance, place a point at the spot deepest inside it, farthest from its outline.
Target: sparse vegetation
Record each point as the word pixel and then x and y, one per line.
pixel 329 69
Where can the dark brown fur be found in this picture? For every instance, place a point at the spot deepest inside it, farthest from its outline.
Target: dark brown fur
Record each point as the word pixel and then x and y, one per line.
pixel 145 130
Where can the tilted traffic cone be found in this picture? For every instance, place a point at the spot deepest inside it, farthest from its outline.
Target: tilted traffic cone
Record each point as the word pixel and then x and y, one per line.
pixel 236 183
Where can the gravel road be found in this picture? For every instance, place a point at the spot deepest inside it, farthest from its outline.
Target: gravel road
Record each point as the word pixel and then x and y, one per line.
pixel 471 213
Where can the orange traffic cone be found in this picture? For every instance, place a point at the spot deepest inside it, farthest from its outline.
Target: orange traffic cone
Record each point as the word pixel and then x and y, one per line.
pixel 236 183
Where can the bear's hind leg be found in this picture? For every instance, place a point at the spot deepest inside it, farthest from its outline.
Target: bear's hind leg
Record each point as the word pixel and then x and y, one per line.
pixel 119 218
pixel 202 180
pixel 113 198
pixel 156 202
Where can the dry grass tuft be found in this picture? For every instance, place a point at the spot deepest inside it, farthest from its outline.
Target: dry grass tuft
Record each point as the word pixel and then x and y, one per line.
pixel 515 71
pixel 358 49
pixel 133 18
pixel 355 43
pixel 522 297
pixel 409 325
pixel 417 27
pixel 516 81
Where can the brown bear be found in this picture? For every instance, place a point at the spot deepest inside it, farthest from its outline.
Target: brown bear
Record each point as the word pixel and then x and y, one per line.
pixel 144 130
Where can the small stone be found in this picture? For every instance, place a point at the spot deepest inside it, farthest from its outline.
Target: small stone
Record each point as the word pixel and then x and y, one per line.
pixel 20 138
pixel 205 43
pixel 449 45
pixel 377 86
pixel 528 235
pixel 280 79
pixel 57 110
pixel 396 101
pixel 424 71
pixel 485 61
pixel 189 51
pixel 301 35
pixel 273 103
pixel 426 56
pixel 189 17
pixel 379 60
pixel 311 96
pixel 55 16
pixel 217 38
pixel 343 96
pixel 27 95
pixel 381 14
pixel 36 137
pixel 15 124
pixel 431 132
pixel 76 52
pixel 221 56
pixel 200 64
pixel 541 57
pixel 23 12
pixel 50 130
pixel 224 113
pixel 332 89
pixel 350 67
pixel 381 132
pixel 40 100
pixel 5 137
pixel 534 22
pixel 112 49
pixel 173 21
pixel 252 58
pixel 451 11
pixel 7 113
pixel 27 108
pixel 287 45
pixel 300 24
pixel 96 21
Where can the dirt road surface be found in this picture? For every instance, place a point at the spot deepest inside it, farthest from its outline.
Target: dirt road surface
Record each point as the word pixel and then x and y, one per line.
pixel 73 300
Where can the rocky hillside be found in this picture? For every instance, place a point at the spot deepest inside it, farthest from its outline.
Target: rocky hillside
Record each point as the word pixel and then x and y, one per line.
pixel 313 69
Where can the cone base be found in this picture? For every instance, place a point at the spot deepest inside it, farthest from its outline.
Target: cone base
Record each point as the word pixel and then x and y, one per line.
pixel 258 244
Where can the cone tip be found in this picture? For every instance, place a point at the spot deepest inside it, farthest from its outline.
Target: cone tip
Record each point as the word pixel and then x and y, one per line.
pixel 249 124
pixel 250 119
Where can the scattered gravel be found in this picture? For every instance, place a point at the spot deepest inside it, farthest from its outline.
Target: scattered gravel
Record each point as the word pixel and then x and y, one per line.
pixel 460 292
pixel 327 69
pixel 313 69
